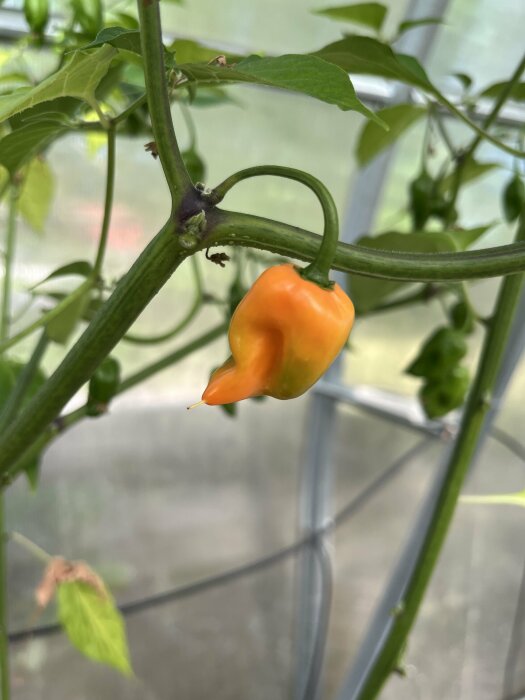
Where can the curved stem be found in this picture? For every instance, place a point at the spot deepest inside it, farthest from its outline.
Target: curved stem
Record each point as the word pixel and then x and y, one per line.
pixel 136 104
pixel 190 124
pixel 108 202
pixel 319 269
pixel 232 228
pixel 159 106
pixel 181 325
pixel 478 402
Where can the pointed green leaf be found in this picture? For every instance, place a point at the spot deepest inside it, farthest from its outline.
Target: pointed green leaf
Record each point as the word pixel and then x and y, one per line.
pixel 62 326
pixel 368 14
pixel 79 267
pixel 493 91
pixel 22 144
pixel 373 139
pixel 309 75
pixel 94 625
pixel 465 237
pixel 414 23
pixel 190 51
pixel 37 194
pixel 365 55
pixel 366 292
pixel 119 37
pixel 78 78
pixel 472 171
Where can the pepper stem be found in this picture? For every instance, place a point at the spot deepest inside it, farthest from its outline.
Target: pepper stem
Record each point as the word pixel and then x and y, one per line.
pixel 318 270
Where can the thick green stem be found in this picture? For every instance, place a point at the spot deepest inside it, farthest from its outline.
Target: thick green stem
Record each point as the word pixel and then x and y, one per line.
pixel 158 100
pixel 232 228
pixel 181 325
pixel 18 393
pixel 134 291
pixel 5 319
pixel 108 201
pixel 319 269
pixel 71 419
pixel 464 449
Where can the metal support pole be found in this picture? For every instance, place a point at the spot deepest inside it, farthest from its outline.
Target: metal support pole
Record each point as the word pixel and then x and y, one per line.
pixel 317 474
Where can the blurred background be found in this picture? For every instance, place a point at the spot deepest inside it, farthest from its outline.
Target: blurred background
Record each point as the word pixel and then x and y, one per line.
pixel 156 498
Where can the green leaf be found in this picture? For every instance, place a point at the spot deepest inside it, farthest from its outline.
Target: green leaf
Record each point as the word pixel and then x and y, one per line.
pixel 78 78
pixel 22 144
pixel 414 23
pixel 309 75
pixel 207 96
pixel 513 199
pixel 79 267
pixel 472 171
pixel 62 326
pixel 465 237
pixel 366 292
pixel 189 51
pixel 37 194
pixel 464 79
pixel 511 499
pixel 373 139
pixel 493 91
pixel 94 625
pixel 365 55
pixel 119 38
pixel 368 14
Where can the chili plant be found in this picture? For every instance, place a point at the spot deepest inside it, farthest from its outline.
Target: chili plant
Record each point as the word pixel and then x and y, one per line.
pixel 112 76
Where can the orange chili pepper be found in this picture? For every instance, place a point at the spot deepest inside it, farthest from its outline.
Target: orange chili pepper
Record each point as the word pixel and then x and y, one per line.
pixel 283 336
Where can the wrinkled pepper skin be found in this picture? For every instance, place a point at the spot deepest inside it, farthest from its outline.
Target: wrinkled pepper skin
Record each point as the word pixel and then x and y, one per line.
pixel 283 336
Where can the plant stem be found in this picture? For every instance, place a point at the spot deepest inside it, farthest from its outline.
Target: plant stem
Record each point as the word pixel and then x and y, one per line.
pixel 16 396
pixel 5 312
pixel 464 448
pixel 71 419
pixel 136 104
pixel 5 318
pixel 232 228
pixel 319 269
pixel 172 358
pixel 48 316
pixel 158 100
pixel 131 295
pixel 108 202
pixel 181 325
pixel 421 296
pixel 463 158
pixel 30 546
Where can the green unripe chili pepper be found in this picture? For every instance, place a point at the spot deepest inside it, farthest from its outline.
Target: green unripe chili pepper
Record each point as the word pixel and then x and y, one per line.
pixel 462 317
pixel 89 15
pixel 513 198
pixel 443 395
pixel 103 386
pixel 421 193
pixel 442 351
pixel 37 15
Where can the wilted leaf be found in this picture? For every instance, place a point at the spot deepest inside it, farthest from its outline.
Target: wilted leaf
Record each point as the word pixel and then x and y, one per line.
pixel 367 14
pixel 37 194
pixel 374 139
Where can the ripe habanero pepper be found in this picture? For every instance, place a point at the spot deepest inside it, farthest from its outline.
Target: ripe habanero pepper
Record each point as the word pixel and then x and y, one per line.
pixel 284 334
